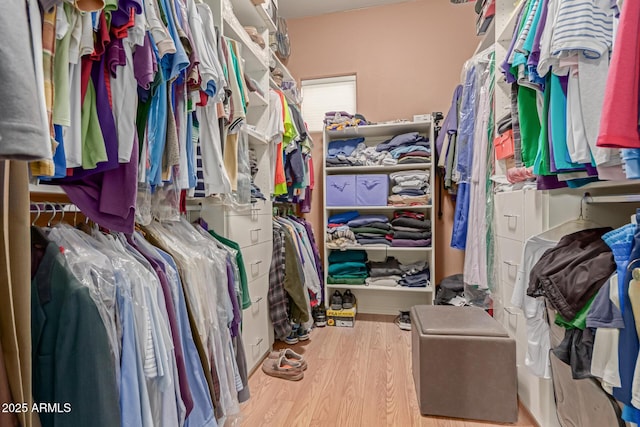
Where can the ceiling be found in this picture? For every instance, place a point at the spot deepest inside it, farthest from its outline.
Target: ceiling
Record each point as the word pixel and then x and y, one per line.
pixel 300 8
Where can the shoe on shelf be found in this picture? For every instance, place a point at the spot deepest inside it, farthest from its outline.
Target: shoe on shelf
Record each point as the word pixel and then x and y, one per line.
pixel 348 299
pixel 282 368
pixel 404 321
pixel 320 316
pixel 336 300
pixel 294 359
pixel 303 334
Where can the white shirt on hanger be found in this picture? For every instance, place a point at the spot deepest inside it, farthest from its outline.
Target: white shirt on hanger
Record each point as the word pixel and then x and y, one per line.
pixel 538 339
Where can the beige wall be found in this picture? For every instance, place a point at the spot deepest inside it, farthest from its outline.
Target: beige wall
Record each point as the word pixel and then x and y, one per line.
pixel 407 58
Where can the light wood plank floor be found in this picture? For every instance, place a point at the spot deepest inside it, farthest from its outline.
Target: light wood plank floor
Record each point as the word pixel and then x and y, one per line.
pixel 357 376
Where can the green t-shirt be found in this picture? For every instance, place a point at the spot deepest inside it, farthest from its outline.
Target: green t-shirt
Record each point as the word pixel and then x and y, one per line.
pixel 93 148
pixel 529 124
pixel 578 322
pixel 245 299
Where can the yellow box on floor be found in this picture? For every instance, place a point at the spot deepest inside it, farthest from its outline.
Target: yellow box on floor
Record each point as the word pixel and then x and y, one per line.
pixel 344 318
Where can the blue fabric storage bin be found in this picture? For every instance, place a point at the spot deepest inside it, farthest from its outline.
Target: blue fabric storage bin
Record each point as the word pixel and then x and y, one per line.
pixel 372 190
pixel 340 190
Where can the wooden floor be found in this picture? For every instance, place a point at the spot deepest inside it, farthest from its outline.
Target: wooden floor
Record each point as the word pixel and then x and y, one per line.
pixel 357 376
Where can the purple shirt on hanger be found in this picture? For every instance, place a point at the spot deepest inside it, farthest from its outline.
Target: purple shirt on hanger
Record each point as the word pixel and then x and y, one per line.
pixel 121 16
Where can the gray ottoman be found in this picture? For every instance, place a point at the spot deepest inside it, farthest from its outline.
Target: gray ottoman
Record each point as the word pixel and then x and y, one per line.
pixel 464 364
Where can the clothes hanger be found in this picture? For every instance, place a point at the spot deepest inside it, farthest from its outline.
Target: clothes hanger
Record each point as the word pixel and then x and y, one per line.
pixel 53 208
pixel 581 223
pixel 37 215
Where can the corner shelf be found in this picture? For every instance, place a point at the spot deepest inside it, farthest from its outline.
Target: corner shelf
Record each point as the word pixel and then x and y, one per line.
pixel 257 101
pixel 256 59
pixel 253 15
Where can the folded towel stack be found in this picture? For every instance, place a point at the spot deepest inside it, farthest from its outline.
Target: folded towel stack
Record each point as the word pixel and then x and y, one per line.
pixel 410 229
pixel 371 229
pixel 347 267
pixel 409 188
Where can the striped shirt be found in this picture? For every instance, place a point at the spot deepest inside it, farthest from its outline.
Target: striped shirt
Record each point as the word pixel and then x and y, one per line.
pixel 583 26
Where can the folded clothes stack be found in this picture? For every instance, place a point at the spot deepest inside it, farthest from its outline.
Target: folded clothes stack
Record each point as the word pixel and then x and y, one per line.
pixel 409 188
pixel 370 229
pixel 410 229
pixel 338 120
pixel 415 275
pixel 385 273
pixel 339 152
pixel 256 194
pixel 407 148
pixel 347 267
pixel 339 235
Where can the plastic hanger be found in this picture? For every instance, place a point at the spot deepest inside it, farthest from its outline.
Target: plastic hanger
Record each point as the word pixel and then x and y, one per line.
pixel 559 231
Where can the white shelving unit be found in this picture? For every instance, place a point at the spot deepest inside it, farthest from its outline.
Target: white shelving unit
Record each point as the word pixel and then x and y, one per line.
pixel 382 299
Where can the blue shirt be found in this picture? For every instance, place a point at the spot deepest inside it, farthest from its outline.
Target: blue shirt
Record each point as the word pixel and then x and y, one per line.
pixel 342 147
pixel 130 390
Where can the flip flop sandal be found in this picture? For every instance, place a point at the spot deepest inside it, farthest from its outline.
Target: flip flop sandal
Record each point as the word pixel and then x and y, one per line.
pixel 292 357
pixel 281 368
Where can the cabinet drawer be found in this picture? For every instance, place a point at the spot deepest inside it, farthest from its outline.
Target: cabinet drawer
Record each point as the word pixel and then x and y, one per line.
pixel 257 259
pixel 509 215
pixel 250 230
pixel 510 254
pixel 261 207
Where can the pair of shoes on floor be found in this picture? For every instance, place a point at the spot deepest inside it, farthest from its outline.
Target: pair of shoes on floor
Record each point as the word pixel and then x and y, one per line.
pixel 298 333
pixel 293 358
pixel 340 301
pixel 287 368
pixel 320 316
pixel 403 320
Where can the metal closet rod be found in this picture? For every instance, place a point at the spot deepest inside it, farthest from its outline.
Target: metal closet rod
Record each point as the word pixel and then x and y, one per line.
pixel 620 198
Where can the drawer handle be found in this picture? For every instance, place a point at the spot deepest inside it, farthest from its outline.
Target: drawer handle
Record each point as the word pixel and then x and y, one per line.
pixel 257 300
pixel 511 263
pixel 257 262
pixel 258 342
pixel 255 229
pixel 511 216
pixel 511 311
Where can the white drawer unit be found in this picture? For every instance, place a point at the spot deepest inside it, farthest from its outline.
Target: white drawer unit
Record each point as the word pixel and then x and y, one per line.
pixel 251 230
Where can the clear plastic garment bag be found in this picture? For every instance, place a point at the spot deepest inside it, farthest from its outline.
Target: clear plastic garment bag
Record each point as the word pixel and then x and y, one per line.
pixel 205 281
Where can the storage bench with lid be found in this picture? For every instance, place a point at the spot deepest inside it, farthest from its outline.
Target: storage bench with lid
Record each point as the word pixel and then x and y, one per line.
pixel 464 364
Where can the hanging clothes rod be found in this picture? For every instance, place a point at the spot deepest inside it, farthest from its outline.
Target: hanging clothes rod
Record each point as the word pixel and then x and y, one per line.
pixel 621 198
pixel 42 207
